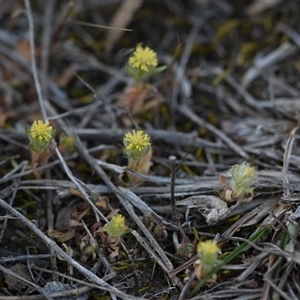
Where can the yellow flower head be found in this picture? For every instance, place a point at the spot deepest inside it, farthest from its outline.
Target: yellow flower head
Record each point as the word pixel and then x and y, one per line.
pixel 208 252
pixel 41 131
pixel 116 226
pixel 137 144
pixel 143 58
pixel 243 177
pixel 40 136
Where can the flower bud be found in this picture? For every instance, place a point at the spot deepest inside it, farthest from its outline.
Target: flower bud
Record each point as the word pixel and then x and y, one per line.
pixel 116 227
pixel 137 144
pixel 208 252
pixel 243 176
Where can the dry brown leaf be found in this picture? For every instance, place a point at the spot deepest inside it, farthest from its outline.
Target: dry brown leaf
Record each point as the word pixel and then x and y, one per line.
pixel 141 167
pixel 259 6
pixel 61 237
pixel 137 101
pixel 40 159
pixel 23 49
pixel 4 116
pixel 100 232
pixel 133 99
pixel 112 213
pixel 102 203
pixel 67 75
pixel 80 216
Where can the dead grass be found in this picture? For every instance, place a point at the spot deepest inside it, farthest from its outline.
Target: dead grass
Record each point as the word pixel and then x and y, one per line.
pixel 230 94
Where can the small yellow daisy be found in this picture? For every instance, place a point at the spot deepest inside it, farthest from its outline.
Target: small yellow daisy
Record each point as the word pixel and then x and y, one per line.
pixel 137 141
pixel 143 58
pixel 208 252
pixel 137 144
pixel 41 131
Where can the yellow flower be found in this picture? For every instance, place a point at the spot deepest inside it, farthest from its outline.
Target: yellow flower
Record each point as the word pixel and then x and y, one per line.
pixel 137 140
pixel 116 226
pixel 41 131
pixel 40 136
pixel 243 177
pixel 208 252
pixel 143 58
pixel 137 144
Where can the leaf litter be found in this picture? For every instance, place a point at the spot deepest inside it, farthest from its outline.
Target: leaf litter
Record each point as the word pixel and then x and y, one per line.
pixel 229 94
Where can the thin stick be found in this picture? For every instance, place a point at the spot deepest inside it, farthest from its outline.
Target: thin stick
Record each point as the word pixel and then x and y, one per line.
pixel 52 245
pixel 29 283
pixel 286 161
pixel 188 112
pixel 33 62
pixel 176 217
pixel 46 41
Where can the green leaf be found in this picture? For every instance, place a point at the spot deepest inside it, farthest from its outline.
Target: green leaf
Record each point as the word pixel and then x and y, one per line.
pixel 158 69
